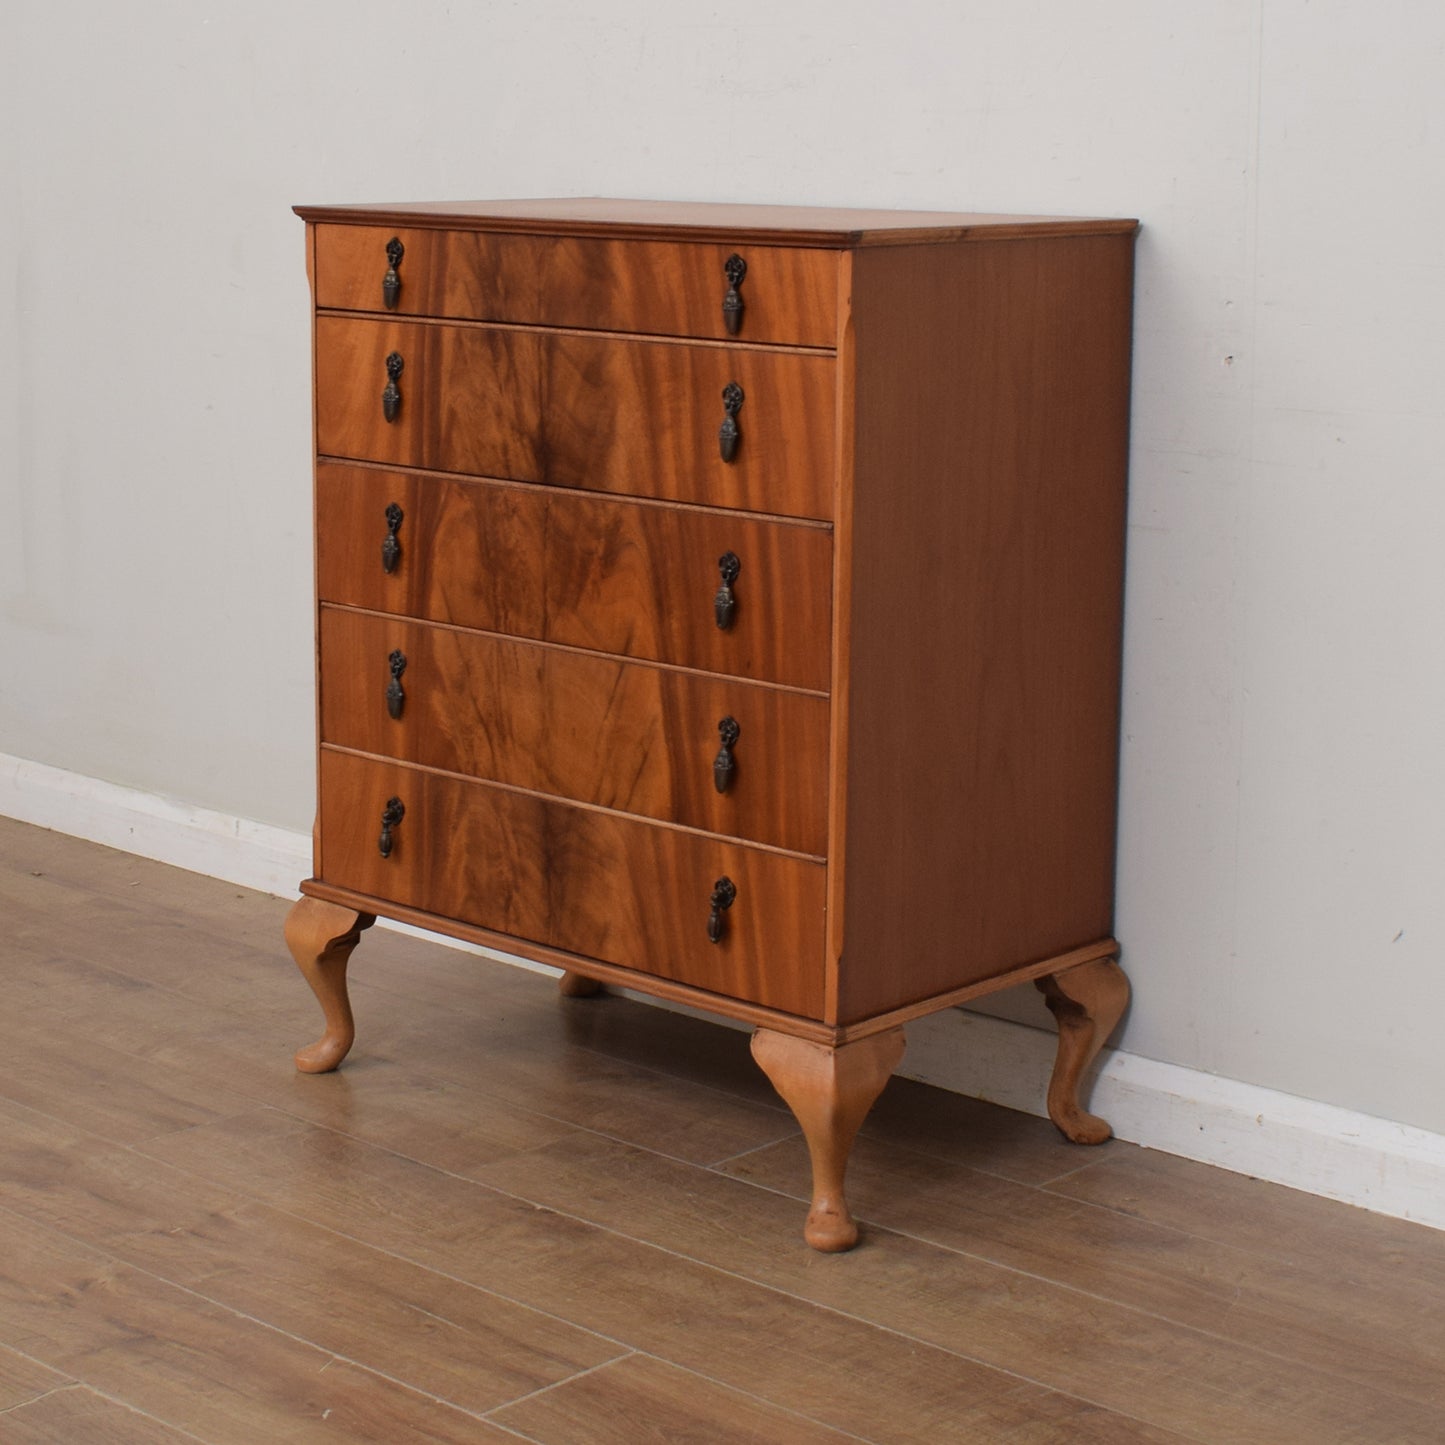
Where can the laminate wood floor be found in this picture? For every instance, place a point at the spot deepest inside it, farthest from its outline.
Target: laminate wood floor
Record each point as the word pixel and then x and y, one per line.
pixel 514 1216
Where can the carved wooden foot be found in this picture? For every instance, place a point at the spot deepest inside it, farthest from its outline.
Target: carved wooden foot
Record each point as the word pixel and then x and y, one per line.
pixel 830 1091
pixel 321 936
pixel 1087 1001
pixel 576 985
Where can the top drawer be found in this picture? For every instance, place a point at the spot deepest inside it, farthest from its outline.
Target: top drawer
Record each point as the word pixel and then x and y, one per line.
pixel 789 294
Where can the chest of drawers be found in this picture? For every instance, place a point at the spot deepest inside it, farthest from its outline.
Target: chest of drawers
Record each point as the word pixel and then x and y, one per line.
pixel 725 601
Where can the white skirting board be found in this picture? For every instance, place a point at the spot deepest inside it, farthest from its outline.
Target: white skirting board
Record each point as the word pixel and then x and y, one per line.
pixel 1391 1168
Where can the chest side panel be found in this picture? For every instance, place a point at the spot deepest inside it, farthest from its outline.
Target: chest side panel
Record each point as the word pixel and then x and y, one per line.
pixel 985 576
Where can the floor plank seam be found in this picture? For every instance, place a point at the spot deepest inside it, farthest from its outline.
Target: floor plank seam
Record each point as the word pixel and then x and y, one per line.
pixel 1153 1315
pixel 772 1405
pixel 334 1356
pixel 65 1124
pixel 878 1134
pixel 818 1305
pixel 411 1158
pixel 622 1345
pixel 128 970
pixel 647 1148
pixel 716 1167
pixel 110 1399
pixel 872 1226
pixel 697 1263
pixel 1047 1184
pixel 44 1394
pixel 557 1384
pixel 586 1130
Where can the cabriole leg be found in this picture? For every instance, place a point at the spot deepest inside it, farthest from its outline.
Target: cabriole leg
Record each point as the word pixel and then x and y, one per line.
pixel 1087 1002
pixel 830 1091
pixel 321 936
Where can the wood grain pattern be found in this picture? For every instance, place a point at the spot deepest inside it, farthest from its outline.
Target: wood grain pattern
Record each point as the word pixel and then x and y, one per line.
pixel 624 735
pixel 1087 1002
pixel 23 1379
pixel 446 1338
pixel 321 938
pixel 657 287
pixel 723 222
pixel 608 414
pixel 560 566
pixel 830 1090
pixel 740 1334
pixel 195 1364
pixel 1220 1308
pixel 78 1414
pixel 593 883
pixel 1276 1302
pixel 985 610
pixel 638 1400
pixel 721 1004
pixel 1135 1363
pixel 965 430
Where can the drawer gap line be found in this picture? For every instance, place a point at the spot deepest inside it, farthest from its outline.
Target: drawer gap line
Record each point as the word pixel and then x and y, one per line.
pixel 677 667
pixel 646 337
pixel 632 499
pixel 729 838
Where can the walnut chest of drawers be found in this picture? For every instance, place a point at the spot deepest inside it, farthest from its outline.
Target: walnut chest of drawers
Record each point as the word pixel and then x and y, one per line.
pixel 725 601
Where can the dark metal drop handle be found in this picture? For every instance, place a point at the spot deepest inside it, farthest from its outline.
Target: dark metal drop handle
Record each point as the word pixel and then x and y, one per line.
pixel 391 282
pixel 729 434
pixel 724 764
pixel 734 268
pixel 724 893
pixel 391 815
pixel 724 603
pixel 390 547
pixel 391 393
pixel 395 692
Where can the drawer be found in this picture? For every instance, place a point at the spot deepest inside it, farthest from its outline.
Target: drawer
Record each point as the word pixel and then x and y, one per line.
pixel 632 578
pixel 592 883
pixel 625 735
pixel 609 414
pixel 789 294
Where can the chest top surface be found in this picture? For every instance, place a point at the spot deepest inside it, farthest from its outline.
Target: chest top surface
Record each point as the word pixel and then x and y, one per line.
pixel 821 226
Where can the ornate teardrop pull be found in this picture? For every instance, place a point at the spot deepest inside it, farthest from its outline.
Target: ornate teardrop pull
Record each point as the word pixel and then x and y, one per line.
pixel 734 268
pixel 391 815
pixel 724 604
pixel 729 434
pixel 391 282
pixel 391 393
pixel 724 894
pixel 390 547
pixel 724 764
pixel 395 693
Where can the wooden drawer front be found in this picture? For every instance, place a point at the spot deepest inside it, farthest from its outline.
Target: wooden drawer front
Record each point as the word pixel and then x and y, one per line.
pixel 613 576
pixel 604 413
pixel 592 883
pixel 623 735
pixel 664 288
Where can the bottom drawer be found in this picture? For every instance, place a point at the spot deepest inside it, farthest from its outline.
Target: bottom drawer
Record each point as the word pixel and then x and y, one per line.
pixel 588 882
